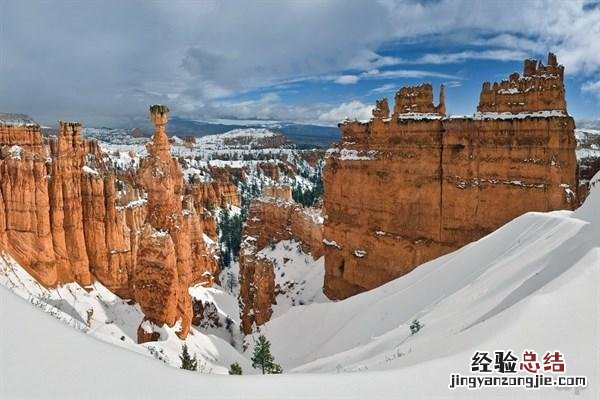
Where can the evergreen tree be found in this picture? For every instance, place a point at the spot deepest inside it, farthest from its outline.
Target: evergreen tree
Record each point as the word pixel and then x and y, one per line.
pixel 235 369
pixel 187 362
pixel 415 327
pixel 263 359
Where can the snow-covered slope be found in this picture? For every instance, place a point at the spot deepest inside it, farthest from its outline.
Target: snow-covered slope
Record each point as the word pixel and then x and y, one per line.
pixel 247 138
pixel 298 278
pixel 531 285
pixel 588 143
pixel 100 313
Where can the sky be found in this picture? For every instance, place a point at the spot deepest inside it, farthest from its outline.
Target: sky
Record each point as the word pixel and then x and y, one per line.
pixel 104 62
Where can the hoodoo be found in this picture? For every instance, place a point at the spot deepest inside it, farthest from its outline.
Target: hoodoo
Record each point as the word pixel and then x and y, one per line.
pixel 63 220
pixel 167 252
pixel 405 189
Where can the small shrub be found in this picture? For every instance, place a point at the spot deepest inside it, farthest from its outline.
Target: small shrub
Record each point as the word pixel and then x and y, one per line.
pixel 415 327
pixel 235 369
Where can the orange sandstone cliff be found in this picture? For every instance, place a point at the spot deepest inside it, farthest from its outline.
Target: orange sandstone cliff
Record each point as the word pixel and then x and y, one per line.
pixel 62 218
pixel 408 187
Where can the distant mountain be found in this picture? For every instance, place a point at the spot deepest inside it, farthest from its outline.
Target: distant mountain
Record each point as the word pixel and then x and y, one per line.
pixel 588 124
pixel 304 135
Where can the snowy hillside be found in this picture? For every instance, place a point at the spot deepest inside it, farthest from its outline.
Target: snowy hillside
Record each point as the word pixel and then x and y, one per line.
pixel 237 138
pixel 102 314
pixel 531 285
pixel 588 143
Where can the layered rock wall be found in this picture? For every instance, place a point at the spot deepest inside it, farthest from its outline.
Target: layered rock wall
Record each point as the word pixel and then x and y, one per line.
pixel 270 219
pixel 62 218
pixel 403 190
pixel 541 88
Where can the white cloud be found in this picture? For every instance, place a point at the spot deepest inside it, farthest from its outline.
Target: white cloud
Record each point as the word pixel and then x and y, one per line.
pixel 592 87
pixel 127 55
pixel 450 58
pixel 347 80
pixel 405 73
pixel 384 89
pixel 569 28
pixel 352 110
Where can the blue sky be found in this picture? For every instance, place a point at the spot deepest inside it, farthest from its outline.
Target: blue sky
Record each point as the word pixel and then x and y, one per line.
pixel 104 62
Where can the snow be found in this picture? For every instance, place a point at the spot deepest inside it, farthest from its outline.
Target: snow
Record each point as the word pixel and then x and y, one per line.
pixel 491 294
pixel 238 138
pixel 98 312
pixel 315 214
pixel 160 233
pixel 133 204
pixel 420 116
pixel 353 155
pixel 298 277
pixel 331 243
pixel 15 152
pixel 519 115
pixel 359 253
pixel 87 170
pixel 511 90
pixel 11 119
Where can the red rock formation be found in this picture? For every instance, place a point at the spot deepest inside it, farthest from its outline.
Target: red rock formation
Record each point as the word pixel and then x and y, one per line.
pixel 66 213
pixel 62 218
pixel 403 191
pixel 63 225
pixel 541 88
pixel 415 99
pixel 208 196
pixel 273 217
pixel 279 192
pixel 168 257
pixel 215 194
pixel 270 170
pixel 26 203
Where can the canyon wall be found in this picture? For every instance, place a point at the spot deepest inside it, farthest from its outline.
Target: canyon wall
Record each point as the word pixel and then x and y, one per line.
pixel 405 188
pixel 272 217
pixel 63 219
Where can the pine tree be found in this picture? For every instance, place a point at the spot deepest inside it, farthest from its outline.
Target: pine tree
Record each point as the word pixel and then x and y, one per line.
pixel 187 362
pixel 415 327
pixel 235 369
pixel 263 359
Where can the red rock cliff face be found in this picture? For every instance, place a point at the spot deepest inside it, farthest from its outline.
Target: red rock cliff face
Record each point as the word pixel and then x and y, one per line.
pixel 272 217
pixel 62 218
pixel 403 190
pixel 25 214
pixel 61 222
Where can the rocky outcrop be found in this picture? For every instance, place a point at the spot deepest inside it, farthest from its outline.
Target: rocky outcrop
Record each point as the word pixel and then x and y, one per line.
pixel 64 217
pixel 168 257
pixel 25 197
pixel 215 194
pixel 541 88
pixel 403 190
pixel 413 99
pixel 271 218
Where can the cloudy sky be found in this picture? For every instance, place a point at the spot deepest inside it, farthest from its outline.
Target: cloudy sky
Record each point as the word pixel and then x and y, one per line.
pixel 104 62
